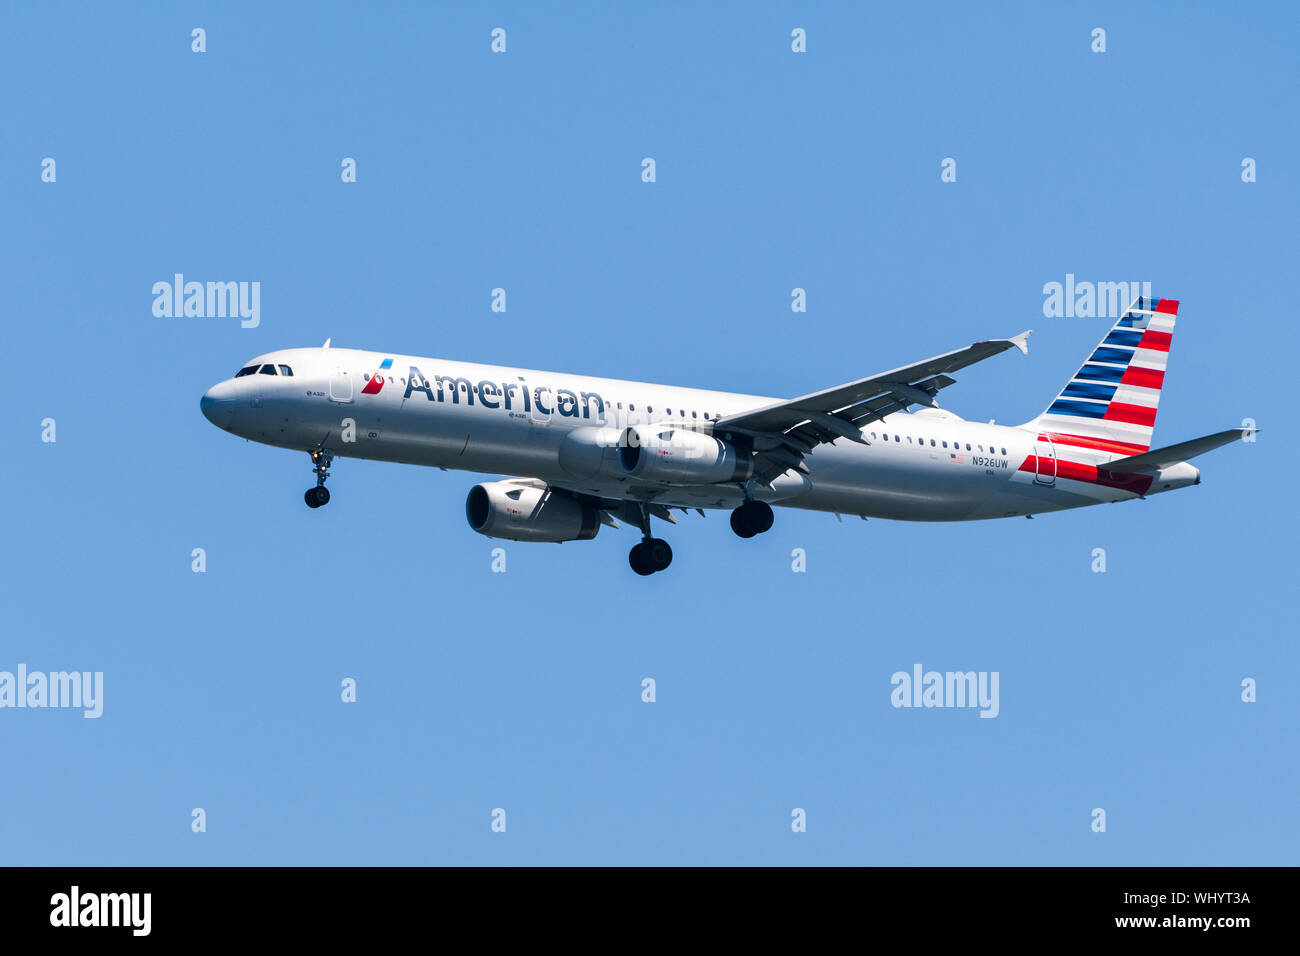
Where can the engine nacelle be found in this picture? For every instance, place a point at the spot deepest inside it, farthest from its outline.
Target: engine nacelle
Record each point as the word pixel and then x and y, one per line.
pixel 520 512
pixel 679 456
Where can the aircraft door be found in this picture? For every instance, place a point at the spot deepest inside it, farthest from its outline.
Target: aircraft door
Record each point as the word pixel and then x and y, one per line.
pixel 543 406
pixel 340 386
pixel 1045 462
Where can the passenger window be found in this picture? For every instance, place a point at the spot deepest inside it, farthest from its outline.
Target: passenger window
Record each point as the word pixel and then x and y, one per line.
pixel 945 444
pixel 1004 451
pixel 968 446
pixel 693 415
pixel 268 369
pixel 896 438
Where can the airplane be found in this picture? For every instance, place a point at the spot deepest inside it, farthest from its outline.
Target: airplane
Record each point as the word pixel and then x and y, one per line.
pixel 582 452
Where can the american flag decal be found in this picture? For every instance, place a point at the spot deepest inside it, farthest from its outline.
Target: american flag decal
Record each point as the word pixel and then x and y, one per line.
pixel 956 459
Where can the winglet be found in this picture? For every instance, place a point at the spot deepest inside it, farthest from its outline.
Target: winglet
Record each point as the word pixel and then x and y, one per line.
pixel 326 345
pixel 1021 341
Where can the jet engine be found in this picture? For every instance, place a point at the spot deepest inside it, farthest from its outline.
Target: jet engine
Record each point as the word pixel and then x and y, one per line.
pixel 679 456
pixel 525 512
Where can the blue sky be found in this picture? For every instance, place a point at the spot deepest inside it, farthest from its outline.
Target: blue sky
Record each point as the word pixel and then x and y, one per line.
pixel 522 690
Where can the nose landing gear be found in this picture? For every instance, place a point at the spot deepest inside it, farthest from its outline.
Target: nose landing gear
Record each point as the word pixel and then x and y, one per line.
pixel 320 495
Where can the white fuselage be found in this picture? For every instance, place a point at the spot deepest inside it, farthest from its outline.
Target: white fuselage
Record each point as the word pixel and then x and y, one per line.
pixel 562 429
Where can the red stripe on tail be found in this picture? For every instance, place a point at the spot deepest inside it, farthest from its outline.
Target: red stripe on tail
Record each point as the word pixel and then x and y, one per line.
pixel 1101 444
pixel 1130 414
pixel 1091 474
pixel 1157 341
pixel 1143 377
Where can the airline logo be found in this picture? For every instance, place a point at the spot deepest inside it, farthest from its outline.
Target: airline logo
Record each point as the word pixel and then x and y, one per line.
pixel 377 380
pixel 1119 386
pixel 1109 407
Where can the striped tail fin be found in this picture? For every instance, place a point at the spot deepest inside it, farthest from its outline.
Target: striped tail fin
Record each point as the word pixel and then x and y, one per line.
pixel 1110 403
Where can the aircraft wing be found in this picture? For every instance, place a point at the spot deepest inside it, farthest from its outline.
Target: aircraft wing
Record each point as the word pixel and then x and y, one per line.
pixel 794 428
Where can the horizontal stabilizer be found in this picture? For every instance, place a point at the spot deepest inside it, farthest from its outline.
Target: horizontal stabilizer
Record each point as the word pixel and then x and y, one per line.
pixel 1165 457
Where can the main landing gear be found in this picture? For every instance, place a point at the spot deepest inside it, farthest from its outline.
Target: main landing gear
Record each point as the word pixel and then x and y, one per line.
pixel 751 518
pixel 652 554
pixel 320 495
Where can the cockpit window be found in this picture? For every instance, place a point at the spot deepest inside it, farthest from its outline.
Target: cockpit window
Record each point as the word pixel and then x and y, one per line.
pixel 247 370
pixel 268 369
pixel 285 370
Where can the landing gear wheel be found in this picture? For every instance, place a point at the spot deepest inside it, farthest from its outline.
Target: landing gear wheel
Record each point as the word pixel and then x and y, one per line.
pixel 660 554
pixel 751 518
pixel 740 525
pixel 639 560
pixel 651 555
pixel 321 459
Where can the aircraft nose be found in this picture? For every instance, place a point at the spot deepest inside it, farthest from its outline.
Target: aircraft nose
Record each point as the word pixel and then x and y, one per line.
pixel 218 404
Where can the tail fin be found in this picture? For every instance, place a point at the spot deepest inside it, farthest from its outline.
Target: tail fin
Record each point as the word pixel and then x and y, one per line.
pixel 1110 403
